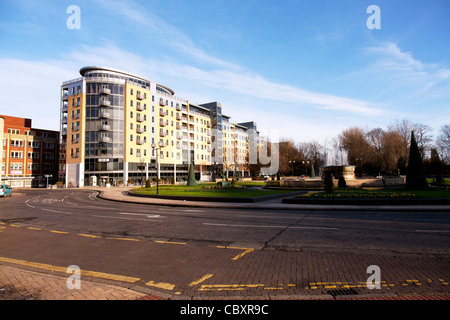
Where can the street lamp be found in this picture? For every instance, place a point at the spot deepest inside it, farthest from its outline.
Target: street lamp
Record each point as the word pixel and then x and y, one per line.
pixel 160 145
pixel 292 163
pixel 142 161
pixel 305 163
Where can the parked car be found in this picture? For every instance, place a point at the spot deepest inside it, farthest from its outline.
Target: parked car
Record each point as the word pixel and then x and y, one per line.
pixel 5 190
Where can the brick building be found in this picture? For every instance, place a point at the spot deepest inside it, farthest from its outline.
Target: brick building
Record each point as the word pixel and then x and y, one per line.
pixel 28 155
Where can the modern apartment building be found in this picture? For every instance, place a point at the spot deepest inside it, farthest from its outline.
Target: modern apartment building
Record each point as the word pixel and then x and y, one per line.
pixel 29 156
pixel 110 120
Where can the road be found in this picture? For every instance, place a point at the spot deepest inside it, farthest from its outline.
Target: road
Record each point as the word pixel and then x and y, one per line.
pixel 197 251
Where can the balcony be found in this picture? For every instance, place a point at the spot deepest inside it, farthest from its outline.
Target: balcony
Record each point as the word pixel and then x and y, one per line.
pixel 104 103
pixel 162 102
pixel 208 141
pixel 139 130
pixel 139 107
pixel 105 91
pixel 105 115
pixel 139 96
pixel 178 116
pixel 162 134
pixel 208 125
pixel 178 136
pixel 65 96
pixel 178 107
pixel 162 113
pixel 162 123
pixel 105 139
pixel 178 146
pixel 139 118
pixel 105 127
pixel 140 142
pixel 64 120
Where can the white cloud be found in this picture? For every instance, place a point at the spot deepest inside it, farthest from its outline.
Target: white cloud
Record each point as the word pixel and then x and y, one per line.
pixel 399 69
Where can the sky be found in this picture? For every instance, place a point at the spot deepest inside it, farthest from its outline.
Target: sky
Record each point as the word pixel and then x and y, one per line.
pixel 302 69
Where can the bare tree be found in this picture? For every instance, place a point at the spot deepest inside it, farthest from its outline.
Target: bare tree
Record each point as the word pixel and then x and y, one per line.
pixel 443 143
pixel 289 153
pixel 354 141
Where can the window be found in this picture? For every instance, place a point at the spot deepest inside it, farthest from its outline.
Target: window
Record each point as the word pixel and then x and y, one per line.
pixel 16 154
pixel 49 156
pixel 33 144
pixel 131 149
pixel 131 91
pixel 131 114
pixel 131 137
pixel 16 143
pixel 33 166
pixel 33 155
pixel 47 166
pixel 131 103
pixel 15 166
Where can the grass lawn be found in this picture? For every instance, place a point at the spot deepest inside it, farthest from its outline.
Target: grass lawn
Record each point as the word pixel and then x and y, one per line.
pixel 205 190
pixel 360 193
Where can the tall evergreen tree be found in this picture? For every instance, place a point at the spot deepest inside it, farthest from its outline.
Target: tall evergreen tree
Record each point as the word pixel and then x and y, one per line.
pixel 191 175
pixel 415 176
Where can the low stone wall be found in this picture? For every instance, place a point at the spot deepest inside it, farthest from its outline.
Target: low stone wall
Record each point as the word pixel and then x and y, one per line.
pixel 316 184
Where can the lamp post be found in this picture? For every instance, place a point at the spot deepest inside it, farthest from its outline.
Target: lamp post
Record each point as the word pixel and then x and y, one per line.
pixel 305 163
pixel 292 164
pixel 160 145
pixel 142 161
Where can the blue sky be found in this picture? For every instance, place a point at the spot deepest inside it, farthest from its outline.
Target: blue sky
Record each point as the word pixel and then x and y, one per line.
pixel 308 69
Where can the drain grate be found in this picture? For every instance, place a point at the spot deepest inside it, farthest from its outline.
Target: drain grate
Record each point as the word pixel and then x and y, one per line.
pixel 342 292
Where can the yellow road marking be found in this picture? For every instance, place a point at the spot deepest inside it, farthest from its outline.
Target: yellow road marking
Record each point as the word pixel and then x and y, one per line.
pixel 30 228
pixel 170 242
pixel 222 287
pixel 61 232
pixel 86 273
pixel 89 235
pixel 247 250
pixel 126 239
pixel 161 285
pixel 207 276
pixel 14 225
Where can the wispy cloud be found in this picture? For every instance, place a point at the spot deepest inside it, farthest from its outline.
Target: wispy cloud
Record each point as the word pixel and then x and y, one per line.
pixel 218 73
pixel 400 69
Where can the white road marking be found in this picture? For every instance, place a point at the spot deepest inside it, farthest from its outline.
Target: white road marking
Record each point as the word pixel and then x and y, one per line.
pixel 142 214
pixel 26 202
pixel 267 226
pixel 120 218
pixel 433 231
pixel 55 211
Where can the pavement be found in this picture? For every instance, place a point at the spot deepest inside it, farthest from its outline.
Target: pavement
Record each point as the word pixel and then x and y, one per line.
pixel 120 194
pixel 23 282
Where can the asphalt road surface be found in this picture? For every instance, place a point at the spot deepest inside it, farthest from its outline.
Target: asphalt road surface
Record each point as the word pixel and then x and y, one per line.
pixel 81 211
pixel 195 251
